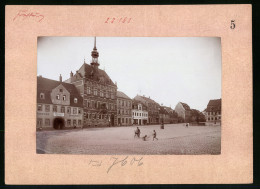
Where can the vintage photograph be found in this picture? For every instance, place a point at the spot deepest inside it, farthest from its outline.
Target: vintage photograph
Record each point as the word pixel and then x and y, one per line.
pixel 128 95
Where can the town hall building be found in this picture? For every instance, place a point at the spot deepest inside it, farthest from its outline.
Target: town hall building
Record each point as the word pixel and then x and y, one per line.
pixel 98 92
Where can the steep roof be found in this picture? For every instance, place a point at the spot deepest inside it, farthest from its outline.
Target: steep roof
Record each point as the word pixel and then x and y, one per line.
pixel 136 102
pixel 122 95
pixel 45 86
pixel 93 73
pixel 185 106
pixel 214 105
pixel 149 100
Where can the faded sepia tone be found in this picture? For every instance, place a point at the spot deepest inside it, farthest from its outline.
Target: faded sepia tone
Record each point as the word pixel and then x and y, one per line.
pixel 24 166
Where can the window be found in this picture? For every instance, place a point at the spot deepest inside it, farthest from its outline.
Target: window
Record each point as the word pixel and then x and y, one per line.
pixel 39 107
pixel 47 122
pixel 79 122
pixel 74 110
pixel 47 108
pixel 98 105
pixel 88 90
pixel 39 122
pixel 92 104
pixel 126 120
pixel 101 94
pixel 68 122
pixel 95 92
pixel 88 104
pixel 74 122
pixel 54 108
pixel 68 110
pixel 75 100
pixel 58 97
pixel 42 96
pixel 62 109
pixel 79 111
pixel 64 97
pixel 61 90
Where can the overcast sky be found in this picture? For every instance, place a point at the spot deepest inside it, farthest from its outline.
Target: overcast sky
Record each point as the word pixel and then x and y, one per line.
pixel 168 69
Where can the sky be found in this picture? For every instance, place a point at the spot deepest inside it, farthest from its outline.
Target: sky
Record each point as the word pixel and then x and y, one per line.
pixel 168 69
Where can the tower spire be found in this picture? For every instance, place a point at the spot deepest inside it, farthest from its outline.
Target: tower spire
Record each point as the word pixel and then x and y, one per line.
pixel 95 48
pixel 95 55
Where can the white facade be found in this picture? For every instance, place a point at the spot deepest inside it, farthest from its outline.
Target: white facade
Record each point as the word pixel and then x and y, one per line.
pixel 140 116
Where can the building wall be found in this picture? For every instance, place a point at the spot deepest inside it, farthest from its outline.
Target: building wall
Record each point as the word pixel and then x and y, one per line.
pixel 60 92
pixel 94 95
pixel 124 111
pixel 213 118
pixel 180 110
pixel 46 115
pixel 140 116
pixel 152 107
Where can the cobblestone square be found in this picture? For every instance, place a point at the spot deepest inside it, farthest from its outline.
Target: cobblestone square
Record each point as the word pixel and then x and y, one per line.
pixel 174 139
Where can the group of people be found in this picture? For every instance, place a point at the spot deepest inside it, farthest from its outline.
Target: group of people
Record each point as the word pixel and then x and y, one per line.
pixel 138 133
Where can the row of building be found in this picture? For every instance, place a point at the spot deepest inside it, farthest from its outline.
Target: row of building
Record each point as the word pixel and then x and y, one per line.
pixel 90 98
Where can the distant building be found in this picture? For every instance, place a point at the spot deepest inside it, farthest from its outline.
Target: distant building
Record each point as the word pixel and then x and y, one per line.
pixel 59 104
pixel 183 110
pixel 152 107
pixel 140 113
pixel 213 112
pixel 98 92
pixel 124 109
pixel 167 115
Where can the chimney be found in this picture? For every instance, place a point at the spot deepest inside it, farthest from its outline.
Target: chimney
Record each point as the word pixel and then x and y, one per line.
pixel 71 74
pixel 60 78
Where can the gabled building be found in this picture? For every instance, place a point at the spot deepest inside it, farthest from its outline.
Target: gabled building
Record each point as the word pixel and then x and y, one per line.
pixel 183 110
pixel 98 92
pixel 152 108
pixel 213 112
pixel 168 115
pixel 59 105
pixel 124 109
pixel 140 113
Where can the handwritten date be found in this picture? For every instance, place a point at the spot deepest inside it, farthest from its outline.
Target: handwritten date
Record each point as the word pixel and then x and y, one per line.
pixel 118 20
pixel 25 13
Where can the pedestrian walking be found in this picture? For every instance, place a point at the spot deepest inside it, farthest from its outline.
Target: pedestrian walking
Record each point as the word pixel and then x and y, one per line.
pixel 154 135
pixel 187 125
pixel 137 132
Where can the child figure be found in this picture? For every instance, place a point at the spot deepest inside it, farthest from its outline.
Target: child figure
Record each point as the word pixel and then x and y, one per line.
pixel 154 135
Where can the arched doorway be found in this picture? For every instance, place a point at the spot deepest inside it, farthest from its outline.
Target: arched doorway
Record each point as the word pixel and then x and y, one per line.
pixel 58 123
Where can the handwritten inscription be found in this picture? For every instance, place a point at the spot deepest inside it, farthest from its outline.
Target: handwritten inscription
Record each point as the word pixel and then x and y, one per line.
pixel 26 14
pixel 116 162
pixel 123 20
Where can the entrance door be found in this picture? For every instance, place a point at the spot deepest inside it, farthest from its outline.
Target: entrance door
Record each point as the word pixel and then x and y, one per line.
pixel 112 120
pixel 58 123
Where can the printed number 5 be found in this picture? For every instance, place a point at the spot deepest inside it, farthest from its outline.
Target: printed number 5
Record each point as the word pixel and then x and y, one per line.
pixel 233 25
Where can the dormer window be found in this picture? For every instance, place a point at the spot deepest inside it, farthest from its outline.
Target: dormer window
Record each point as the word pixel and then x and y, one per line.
pixel 58 97
pixel 75 100
pixel 41 95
